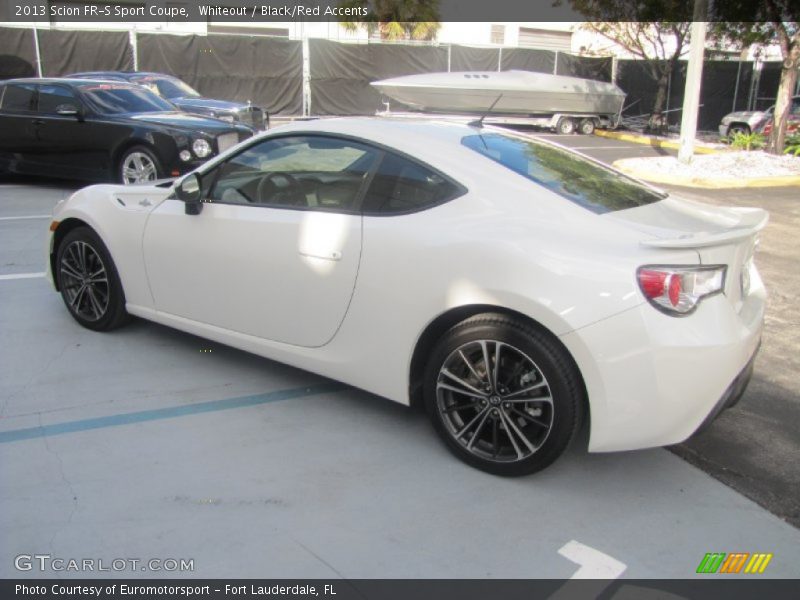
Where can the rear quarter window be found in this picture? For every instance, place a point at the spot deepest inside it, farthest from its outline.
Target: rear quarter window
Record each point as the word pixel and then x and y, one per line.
pixel 403 186
pixel 572 177
pixel 18 97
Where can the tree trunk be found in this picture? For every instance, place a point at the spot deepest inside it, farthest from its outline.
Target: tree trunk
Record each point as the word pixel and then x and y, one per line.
pixel 783 103
pixel 658 122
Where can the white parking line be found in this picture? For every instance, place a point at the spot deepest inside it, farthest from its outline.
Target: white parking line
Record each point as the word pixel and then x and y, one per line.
pixel 597 147
pixel 25 217
pixel 21 276
pixel 593 563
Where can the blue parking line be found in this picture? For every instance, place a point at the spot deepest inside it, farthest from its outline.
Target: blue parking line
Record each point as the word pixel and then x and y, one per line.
pixel 16 435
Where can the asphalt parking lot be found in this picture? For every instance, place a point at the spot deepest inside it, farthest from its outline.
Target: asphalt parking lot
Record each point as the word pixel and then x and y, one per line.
pixel 148 443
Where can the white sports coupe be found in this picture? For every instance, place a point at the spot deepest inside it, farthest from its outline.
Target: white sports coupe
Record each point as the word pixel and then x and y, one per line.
pixel 514 287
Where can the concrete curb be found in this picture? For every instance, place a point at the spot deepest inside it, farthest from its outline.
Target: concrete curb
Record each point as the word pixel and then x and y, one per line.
pixel 654 141
pixel 702 182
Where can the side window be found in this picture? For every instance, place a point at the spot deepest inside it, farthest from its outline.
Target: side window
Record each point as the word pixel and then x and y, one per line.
pixel 401 186
pixel 18 97
pixel 316 172
pixel 53 96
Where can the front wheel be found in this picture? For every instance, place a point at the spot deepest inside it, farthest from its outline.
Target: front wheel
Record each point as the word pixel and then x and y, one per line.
pixel 88 281
pixel 504 396
pixel 138 165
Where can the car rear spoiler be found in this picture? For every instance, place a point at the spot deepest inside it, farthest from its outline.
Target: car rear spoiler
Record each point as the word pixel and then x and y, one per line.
pixel 752 220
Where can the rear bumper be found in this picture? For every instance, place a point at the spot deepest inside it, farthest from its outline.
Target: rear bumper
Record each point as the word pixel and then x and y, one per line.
pixel 733 394
pixel 654 380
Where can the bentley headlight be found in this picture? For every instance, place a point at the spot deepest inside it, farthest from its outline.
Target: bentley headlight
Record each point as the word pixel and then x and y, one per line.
pixel 201 148
pixel 228 118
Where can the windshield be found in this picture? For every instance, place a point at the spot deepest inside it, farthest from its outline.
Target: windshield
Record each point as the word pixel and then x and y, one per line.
pixel 572 177
pixel 115 99
pixel 168 87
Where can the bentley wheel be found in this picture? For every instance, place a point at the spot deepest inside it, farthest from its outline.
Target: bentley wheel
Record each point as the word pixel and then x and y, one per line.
pixel 139 165
pixel 89 282
pixel 505 397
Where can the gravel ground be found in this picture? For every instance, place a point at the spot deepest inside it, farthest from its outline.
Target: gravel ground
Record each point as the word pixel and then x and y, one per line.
pixel 726 165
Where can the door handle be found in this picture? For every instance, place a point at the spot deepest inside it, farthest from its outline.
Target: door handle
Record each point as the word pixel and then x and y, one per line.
pixel 334 255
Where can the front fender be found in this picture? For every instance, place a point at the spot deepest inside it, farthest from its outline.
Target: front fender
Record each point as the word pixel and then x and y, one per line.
pixel 118 214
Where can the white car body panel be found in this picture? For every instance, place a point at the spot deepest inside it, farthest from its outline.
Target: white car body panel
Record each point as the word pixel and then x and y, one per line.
pixel 348 296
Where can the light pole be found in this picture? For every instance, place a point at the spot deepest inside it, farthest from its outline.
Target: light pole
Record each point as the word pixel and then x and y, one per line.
pixel 694 74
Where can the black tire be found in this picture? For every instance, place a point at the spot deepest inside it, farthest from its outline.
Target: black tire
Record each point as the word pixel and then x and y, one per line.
pixel 586 126
pixel 566 126
pixel 89 281
pixel 144 154
pixel 738 128
pixel 529 358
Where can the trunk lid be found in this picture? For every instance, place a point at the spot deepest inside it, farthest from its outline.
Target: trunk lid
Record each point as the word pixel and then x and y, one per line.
pixel 719 235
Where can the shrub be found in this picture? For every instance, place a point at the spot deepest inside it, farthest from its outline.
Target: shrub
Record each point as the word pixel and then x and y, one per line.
pixel 747 141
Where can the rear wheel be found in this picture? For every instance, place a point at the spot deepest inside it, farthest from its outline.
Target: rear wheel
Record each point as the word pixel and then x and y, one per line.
pixel 586 126
pixel 89 282
pixel 736 129
pixel 566 126
pixel 505 397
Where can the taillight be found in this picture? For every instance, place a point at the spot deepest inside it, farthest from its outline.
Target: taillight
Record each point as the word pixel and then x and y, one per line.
pixel 678 290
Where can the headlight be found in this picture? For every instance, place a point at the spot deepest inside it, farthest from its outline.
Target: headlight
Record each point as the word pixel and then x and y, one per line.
pixel 228 118
pixel 185 155
pixel 201 148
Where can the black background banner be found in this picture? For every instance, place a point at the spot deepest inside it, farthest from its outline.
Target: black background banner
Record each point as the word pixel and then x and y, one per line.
pixel 341 73
pixel 266 71
pixel 424 589
pixel 65 52
pixel 17 53
pixel 323 10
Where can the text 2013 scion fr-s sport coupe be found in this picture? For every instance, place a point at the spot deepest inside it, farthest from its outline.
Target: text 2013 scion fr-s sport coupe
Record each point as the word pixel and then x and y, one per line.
pixel 515 287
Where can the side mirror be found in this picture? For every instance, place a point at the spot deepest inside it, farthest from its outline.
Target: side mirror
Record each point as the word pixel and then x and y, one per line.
pixel 189 190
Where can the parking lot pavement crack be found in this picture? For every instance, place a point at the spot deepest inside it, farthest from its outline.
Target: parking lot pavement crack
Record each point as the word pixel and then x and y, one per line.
pixel 319 558
pixel 67 482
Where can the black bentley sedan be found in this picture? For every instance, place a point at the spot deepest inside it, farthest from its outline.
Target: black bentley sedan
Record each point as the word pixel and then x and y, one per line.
pixel 102 130
pixel 182 95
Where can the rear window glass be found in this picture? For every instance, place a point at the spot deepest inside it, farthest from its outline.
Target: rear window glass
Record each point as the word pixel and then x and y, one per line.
pixel 18 97
pixel 572 177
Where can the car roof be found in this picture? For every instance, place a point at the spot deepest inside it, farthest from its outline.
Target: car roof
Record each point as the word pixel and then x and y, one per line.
pixel 51 80
pixel 122 74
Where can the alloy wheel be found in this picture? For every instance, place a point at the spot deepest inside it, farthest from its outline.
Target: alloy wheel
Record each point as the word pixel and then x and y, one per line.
pixel 84 279
pixel 138 167
pixel 494 401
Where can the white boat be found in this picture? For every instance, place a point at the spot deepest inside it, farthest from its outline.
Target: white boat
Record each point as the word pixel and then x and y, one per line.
pixel 512 92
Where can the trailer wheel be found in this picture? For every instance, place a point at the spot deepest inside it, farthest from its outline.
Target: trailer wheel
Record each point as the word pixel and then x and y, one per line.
pixel 586 126
pixel 565 126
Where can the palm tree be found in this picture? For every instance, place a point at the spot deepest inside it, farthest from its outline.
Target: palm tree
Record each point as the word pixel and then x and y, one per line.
pixel 396 19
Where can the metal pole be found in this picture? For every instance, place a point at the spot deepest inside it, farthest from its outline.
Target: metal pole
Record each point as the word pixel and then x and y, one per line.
pixel 500 59
pixel 449 51
pixel 134 42
pixel 614 67
pixel 306 76
pixel 694 74
pixel 555 64
pixel 736 89
pixel 38 53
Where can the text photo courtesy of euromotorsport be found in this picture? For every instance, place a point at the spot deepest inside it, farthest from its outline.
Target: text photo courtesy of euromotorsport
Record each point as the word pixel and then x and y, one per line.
pixel 91 11
pixel 187 591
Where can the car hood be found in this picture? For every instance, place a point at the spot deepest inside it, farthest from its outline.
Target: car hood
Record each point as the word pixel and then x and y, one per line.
pixel 208 104
pixel 745 115
pixel 185 121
